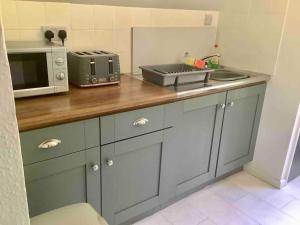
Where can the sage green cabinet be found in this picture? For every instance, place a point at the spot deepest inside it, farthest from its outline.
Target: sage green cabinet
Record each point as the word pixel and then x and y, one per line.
pixel 147 158
pixel 62 181
pixel 131 124
pixel 71 137
pixel 194 142
pixel 211 136
pixel 240 126
pixel 132 177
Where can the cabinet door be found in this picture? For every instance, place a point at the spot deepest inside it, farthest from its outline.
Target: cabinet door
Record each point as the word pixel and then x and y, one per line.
pixel 194 142
pixel 131 177
pixel 62 181
pixel 240 125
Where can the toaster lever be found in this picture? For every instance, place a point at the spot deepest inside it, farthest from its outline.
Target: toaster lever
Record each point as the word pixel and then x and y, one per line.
pixel 110 66
pixel 93 67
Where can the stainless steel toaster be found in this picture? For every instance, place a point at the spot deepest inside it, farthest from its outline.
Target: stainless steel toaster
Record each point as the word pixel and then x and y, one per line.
pixel 93 68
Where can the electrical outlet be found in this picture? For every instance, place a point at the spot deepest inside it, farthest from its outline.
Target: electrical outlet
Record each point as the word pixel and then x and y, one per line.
pixel 208 19
pixel 55 30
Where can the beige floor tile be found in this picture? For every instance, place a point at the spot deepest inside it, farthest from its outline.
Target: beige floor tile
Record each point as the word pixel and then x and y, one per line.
pixel 255 187
pixel 156 219
pixel 238 200
pixel 228 191
pixel 207 222
pixel 263 212
pixel 218 210
pixel 293 209
pixel 279 199
pixel 293 188
pixel 182 213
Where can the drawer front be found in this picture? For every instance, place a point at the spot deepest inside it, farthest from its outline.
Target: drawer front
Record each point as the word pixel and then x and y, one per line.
pixel 47 143
pixel 130 124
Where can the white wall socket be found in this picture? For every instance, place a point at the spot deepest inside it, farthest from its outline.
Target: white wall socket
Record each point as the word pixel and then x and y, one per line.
pixel 55 30
pixel 208 19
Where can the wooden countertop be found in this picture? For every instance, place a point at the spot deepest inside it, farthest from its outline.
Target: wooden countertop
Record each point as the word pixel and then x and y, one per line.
pixel 79 103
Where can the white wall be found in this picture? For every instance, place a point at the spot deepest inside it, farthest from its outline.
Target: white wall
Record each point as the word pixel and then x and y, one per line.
pixel 250 32
pixel 169 4
pixel 262 35
pixel 13 203
pixel 93 26
pixel 282 101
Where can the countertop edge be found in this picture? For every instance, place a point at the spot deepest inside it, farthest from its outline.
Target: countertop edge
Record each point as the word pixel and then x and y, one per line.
pixel 25 124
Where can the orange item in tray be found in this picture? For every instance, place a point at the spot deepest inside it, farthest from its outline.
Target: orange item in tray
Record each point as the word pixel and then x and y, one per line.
pixel 200 64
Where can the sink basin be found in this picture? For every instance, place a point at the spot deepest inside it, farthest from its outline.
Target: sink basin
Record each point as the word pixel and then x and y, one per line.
pixel 227 75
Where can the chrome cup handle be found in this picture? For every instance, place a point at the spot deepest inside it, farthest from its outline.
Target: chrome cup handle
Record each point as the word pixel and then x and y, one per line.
pixel 140 122
pixel 230 104
pixel 222 106
pixel 50 143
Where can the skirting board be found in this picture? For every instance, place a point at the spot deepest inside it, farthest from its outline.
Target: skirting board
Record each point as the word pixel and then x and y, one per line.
pixel 278 183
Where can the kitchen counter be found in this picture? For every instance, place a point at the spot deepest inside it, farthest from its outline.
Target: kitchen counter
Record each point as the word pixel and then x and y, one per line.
pixel 131 94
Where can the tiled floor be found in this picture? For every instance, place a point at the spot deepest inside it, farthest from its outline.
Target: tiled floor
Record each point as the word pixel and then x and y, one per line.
pixel 238 200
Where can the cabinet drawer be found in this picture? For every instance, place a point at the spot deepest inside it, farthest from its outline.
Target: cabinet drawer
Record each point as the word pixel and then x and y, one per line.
pixel 66 138
pixel 134 123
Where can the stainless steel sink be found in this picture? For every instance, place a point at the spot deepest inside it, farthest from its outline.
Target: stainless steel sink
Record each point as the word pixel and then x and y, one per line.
pixel 227 75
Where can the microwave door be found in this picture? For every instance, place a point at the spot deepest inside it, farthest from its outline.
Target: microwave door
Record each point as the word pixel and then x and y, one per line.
pixel 30 70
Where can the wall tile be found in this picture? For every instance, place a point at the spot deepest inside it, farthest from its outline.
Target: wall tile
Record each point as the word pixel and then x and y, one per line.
pixel 82 17
pixel 12 35
pixel 122 40
pixel 104 40
pixel 195 18
pixel 9 14
pixel 31 14
pixel 215 22
pixel 122 17
pixel 236 7
pixel 125 61
pixel 58 14
pixel 92 26
pixel 82 40
pixel 166 17
pixel 268 6
pixel 31 35
pixel 103 17
pixel 142 17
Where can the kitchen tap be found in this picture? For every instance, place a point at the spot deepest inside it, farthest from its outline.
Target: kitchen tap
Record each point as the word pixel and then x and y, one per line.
pixel 205 59
pixel 210 56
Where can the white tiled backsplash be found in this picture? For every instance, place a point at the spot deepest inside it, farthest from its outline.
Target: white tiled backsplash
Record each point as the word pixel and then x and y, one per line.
pixel 93 26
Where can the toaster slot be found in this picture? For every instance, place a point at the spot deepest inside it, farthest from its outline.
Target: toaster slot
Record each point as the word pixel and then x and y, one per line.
pixel 93 67
pixel 110 66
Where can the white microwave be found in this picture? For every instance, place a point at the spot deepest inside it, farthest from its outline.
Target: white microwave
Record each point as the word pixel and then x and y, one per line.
pixel 37 68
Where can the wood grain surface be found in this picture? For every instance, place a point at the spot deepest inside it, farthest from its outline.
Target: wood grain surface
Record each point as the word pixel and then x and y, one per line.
pixel 85 103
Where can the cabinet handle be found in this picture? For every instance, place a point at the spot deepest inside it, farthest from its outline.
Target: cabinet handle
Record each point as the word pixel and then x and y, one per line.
pixel 140 122
pixel 51 143
pixel 95 167
pixel 230 104
pixel 109 162
pixel 222 106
